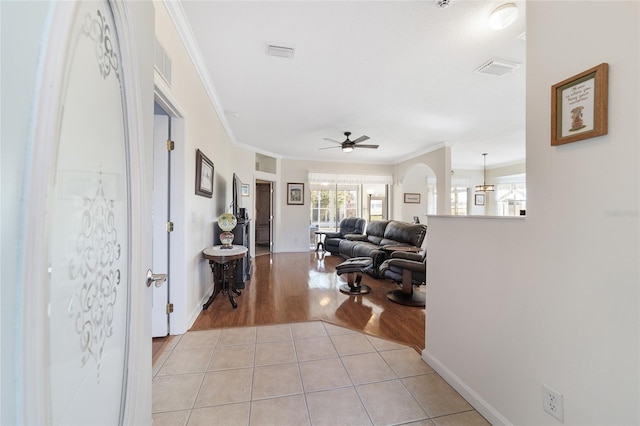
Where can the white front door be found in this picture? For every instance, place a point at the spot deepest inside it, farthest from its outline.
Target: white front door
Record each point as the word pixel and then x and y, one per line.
pixel 92 300
pixel 160 300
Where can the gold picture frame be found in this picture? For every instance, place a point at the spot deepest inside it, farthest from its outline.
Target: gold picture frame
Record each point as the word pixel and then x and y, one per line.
pixel 579 106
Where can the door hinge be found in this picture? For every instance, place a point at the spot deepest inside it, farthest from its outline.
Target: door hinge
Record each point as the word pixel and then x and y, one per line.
pixel 169 308
pixel 170 145
pixel 169 226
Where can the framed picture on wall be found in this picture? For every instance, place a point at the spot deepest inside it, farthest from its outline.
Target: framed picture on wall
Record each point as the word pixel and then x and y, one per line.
pixel 295 193
pixel 479 199
pixel 411 198
pixel 204 175
pixel 579 106
pixel 245 189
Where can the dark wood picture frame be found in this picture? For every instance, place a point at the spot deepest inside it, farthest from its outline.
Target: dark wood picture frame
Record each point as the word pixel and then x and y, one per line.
pixel 412 198
pixel 204 175
pixel 295 193
pixel 478 199
pixel 579 106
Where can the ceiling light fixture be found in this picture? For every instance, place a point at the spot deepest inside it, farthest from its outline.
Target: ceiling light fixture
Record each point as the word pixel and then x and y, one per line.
pixel 503 16
pixel 347 148
pixel 484 187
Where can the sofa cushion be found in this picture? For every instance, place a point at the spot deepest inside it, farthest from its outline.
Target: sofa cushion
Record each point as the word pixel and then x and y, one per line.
pixel 348 226
pixel 405 233
pixel 375 231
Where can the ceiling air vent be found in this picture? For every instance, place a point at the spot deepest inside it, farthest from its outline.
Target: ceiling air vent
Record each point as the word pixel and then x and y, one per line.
pixel 497 67
pixel 281 51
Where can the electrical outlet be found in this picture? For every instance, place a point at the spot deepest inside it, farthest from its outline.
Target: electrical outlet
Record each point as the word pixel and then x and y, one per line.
pixel 552 402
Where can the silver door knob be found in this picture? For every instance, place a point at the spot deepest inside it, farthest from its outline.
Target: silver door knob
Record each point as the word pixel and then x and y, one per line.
pixel 155 278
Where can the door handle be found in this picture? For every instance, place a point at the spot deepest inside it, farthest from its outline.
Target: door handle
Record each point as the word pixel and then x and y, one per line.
pixel 155 278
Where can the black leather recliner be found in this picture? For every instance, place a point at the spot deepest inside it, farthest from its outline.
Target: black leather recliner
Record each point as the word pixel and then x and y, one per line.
pixel 350 225
pixel 393 267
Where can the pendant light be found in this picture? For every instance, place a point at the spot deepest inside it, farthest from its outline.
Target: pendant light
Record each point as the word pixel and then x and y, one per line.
pixel 484 187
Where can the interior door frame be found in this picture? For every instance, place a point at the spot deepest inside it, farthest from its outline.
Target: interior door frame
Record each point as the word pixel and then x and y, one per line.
pixel 34 400
pixel 271 211
pixel 163 97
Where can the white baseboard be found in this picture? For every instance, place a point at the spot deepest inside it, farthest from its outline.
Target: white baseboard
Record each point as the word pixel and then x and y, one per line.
pixel 476 401
pixel 198 309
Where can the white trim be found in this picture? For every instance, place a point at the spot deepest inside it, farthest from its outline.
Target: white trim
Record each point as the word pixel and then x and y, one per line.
pixel 137 398
pixel 349 179
pixel 476 401
pixel 162 95
pixel 176 12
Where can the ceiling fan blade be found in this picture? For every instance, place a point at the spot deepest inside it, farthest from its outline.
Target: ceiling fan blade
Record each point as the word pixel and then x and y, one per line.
pixel 367 146
pixel 330 147
pixel 332 140
pixel 361 139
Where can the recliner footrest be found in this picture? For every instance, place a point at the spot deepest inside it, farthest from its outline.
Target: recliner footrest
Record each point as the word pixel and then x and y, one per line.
pixel 353 268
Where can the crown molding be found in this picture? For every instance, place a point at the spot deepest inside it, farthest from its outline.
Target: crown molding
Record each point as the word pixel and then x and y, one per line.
pixel 179 19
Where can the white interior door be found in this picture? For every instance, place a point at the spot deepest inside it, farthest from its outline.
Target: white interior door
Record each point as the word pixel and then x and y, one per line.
pixel 160 300
pixel 88 257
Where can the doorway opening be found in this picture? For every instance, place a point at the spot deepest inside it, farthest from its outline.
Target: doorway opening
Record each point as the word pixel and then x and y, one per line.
pixel 263 217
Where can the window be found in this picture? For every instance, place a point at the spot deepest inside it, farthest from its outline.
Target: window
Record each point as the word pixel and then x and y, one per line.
pixel 459 197
pixel 512 197
pixel 338 196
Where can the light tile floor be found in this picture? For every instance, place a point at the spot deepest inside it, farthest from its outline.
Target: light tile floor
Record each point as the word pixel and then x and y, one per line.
pixel 310 373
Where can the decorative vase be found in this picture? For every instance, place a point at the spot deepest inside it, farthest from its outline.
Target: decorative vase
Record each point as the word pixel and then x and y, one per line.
pixel 226 222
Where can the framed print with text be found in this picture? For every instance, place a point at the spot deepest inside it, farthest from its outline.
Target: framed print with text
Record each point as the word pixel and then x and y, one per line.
pixel 411 198
pixel 579 106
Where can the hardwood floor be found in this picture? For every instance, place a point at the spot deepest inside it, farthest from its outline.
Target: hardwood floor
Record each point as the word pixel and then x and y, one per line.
pixel 296 287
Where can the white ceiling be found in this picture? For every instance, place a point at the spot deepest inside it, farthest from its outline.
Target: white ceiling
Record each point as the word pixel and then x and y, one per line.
pixel 400 72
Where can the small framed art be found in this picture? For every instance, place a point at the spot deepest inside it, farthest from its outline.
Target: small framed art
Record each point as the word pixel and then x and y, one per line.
pixel 411 198
pixel 295 193
pixel 579 106
pixel 204 175
pixel 478 199
pixel 245 189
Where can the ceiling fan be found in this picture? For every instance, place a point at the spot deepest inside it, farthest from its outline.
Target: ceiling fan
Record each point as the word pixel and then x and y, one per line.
pixel 349 145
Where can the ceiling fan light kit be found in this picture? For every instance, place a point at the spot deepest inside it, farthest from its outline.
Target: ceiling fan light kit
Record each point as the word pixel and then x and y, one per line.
pixel 349 145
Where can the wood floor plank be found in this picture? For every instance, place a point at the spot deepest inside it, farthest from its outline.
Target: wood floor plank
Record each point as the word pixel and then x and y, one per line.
pixel 296 287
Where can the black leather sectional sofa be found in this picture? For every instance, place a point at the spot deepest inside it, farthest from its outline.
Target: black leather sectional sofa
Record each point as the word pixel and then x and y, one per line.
pixel 380 233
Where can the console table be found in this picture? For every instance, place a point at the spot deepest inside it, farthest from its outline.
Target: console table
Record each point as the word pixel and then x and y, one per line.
pixel 223 264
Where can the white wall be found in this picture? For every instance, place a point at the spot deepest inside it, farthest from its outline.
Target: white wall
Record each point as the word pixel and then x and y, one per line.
pixel 202 130
pixel 415 181
pixel 552 298
pixel 439 161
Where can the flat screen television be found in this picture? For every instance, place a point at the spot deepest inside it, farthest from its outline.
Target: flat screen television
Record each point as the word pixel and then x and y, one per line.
pixel 236 195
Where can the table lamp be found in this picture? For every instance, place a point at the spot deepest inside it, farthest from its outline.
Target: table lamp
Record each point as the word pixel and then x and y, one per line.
pixel 226 222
